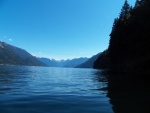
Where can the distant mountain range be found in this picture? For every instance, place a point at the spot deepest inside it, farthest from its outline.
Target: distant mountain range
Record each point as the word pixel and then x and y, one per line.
pixel 12 55
pixel 63 63
pixel 89 63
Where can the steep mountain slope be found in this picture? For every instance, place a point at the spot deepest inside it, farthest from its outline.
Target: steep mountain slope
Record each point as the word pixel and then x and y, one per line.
pixel 16 56
pixel 74 62
pixel 90 62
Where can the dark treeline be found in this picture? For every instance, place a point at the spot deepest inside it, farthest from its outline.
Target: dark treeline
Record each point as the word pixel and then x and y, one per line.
pixel 129 40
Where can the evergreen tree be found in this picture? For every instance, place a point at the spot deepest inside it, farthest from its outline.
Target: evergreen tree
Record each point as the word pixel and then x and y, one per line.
pixel 137 3
pixel 115 24
pixel 129 43
pixel 125 9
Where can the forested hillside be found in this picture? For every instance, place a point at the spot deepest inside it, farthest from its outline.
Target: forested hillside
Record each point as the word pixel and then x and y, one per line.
pixel 129 40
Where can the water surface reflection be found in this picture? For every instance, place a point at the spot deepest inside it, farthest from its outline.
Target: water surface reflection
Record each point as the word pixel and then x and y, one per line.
pixel 52 90
pixel 128 93
pixel 64 90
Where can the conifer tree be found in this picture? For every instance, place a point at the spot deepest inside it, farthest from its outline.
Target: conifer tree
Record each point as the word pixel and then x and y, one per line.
pixel 125 9
pixel 115 24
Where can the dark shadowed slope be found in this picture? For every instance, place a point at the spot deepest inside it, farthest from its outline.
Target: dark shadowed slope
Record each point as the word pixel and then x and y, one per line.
pixel 12 55
pixel 89 63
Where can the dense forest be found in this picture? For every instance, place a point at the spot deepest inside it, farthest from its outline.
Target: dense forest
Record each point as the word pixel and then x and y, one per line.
pixel 129 44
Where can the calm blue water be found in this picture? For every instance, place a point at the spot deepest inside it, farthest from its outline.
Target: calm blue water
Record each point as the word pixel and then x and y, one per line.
pixel 52 90
pixel 69 90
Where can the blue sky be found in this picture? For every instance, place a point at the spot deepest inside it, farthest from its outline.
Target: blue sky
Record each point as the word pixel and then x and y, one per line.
pixel 60 29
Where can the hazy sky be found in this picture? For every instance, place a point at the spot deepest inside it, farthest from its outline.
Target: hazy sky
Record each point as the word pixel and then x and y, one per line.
pixel 59 29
